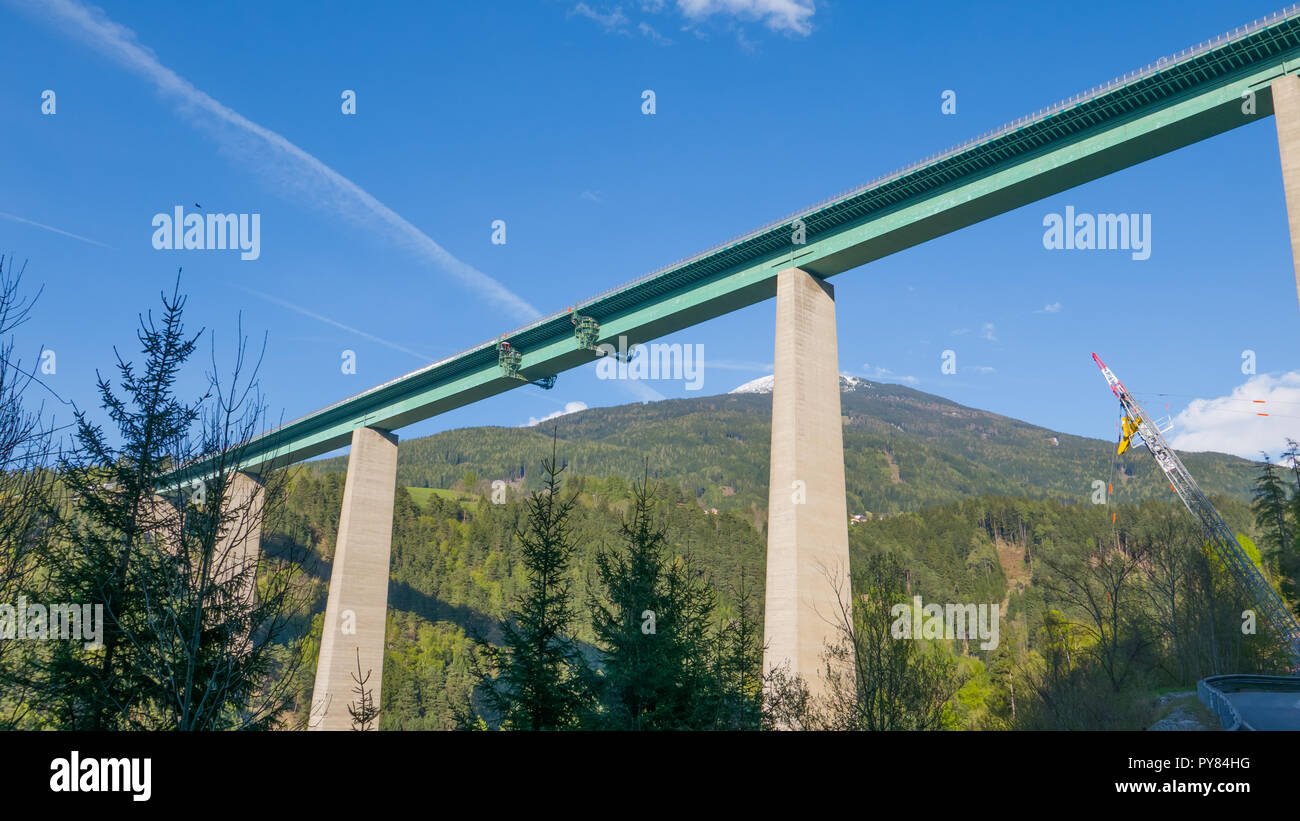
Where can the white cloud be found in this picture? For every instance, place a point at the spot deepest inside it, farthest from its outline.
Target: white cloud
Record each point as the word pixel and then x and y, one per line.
pixel 988 332
pixel 654 36
pixel 885 374
pixel 569 407
pixel 608 20
pixel 1231 424
pixel 981 369
pixel 271 155
pixel 788 16
pixel 1055 307
pixel 791 17
pixel 590 196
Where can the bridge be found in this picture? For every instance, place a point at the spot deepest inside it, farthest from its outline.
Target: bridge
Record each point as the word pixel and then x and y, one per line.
pixel 1202 91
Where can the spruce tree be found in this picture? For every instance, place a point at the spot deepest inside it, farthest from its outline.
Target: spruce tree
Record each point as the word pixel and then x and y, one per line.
pixel 1289 561
pixel 1270 507
pixel 117 512
pixel 540 679
pixel 652 618
pixel 194 628
pixel 740 663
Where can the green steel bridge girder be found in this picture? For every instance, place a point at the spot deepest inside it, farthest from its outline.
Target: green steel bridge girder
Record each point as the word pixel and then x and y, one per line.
pixel 475 374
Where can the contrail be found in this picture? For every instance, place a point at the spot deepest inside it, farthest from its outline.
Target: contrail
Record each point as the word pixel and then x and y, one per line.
pixel 335 323
pixel 295 166
pixel 641 390
pixel 56 230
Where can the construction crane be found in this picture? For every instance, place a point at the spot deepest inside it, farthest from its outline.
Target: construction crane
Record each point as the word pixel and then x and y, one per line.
pixel 1136 422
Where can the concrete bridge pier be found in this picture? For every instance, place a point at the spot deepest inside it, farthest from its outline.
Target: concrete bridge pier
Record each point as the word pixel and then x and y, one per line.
pixel 240 544
pixel 807 519
pixel 357 610
pixel 239 540
pixel 1286 113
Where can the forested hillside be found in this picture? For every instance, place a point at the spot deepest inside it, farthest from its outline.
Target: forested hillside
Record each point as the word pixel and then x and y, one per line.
pixel 903 449
pixel 456 567
pixel 979 508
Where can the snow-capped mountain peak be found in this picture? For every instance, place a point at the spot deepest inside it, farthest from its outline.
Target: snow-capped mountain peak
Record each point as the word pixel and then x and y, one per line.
pixel 763 384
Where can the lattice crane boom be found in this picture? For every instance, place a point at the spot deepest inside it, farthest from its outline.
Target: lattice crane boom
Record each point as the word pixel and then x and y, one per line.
pixel 1212 525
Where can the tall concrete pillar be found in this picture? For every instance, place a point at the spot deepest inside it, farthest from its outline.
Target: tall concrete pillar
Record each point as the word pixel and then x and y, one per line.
pixel 1286 113
pixel 239 547
pixel 807 517
pixel 357 610
pixel 239 542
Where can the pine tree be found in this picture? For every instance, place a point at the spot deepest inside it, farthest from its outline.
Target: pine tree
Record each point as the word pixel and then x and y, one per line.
pixel 1291 457
pixel 194 628
pixel 540 680
pixel 363 711
pixel 740 663
pixel 652 619
pixel 114 489
pixel 1289 561
pixel 1270 507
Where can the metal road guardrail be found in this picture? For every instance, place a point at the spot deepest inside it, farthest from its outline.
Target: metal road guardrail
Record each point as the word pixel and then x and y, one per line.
pixel 1215 691
pixel 1214 700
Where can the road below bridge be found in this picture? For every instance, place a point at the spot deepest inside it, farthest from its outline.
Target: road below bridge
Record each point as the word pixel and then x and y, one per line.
pixel 1253 702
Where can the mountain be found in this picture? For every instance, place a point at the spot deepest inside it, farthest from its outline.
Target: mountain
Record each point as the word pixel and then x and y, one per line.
pixel 764 384
pixel 903 449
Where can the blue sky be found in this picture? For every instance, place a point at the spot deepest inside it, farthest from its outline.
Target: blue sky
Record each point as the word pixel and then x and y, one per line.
pixel 376 228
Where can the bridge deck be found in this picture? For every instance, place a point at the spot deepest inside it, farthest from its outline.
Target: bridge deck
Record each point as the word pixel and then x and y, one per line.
pixel 1173 102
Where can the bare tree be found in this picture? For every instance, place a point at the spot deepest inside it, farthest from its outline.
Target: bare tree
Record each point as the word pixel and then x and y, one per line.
pixel 787 703
pixel 874 680
pixel 1100 581
pixel 29 503
pixel 1169 541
